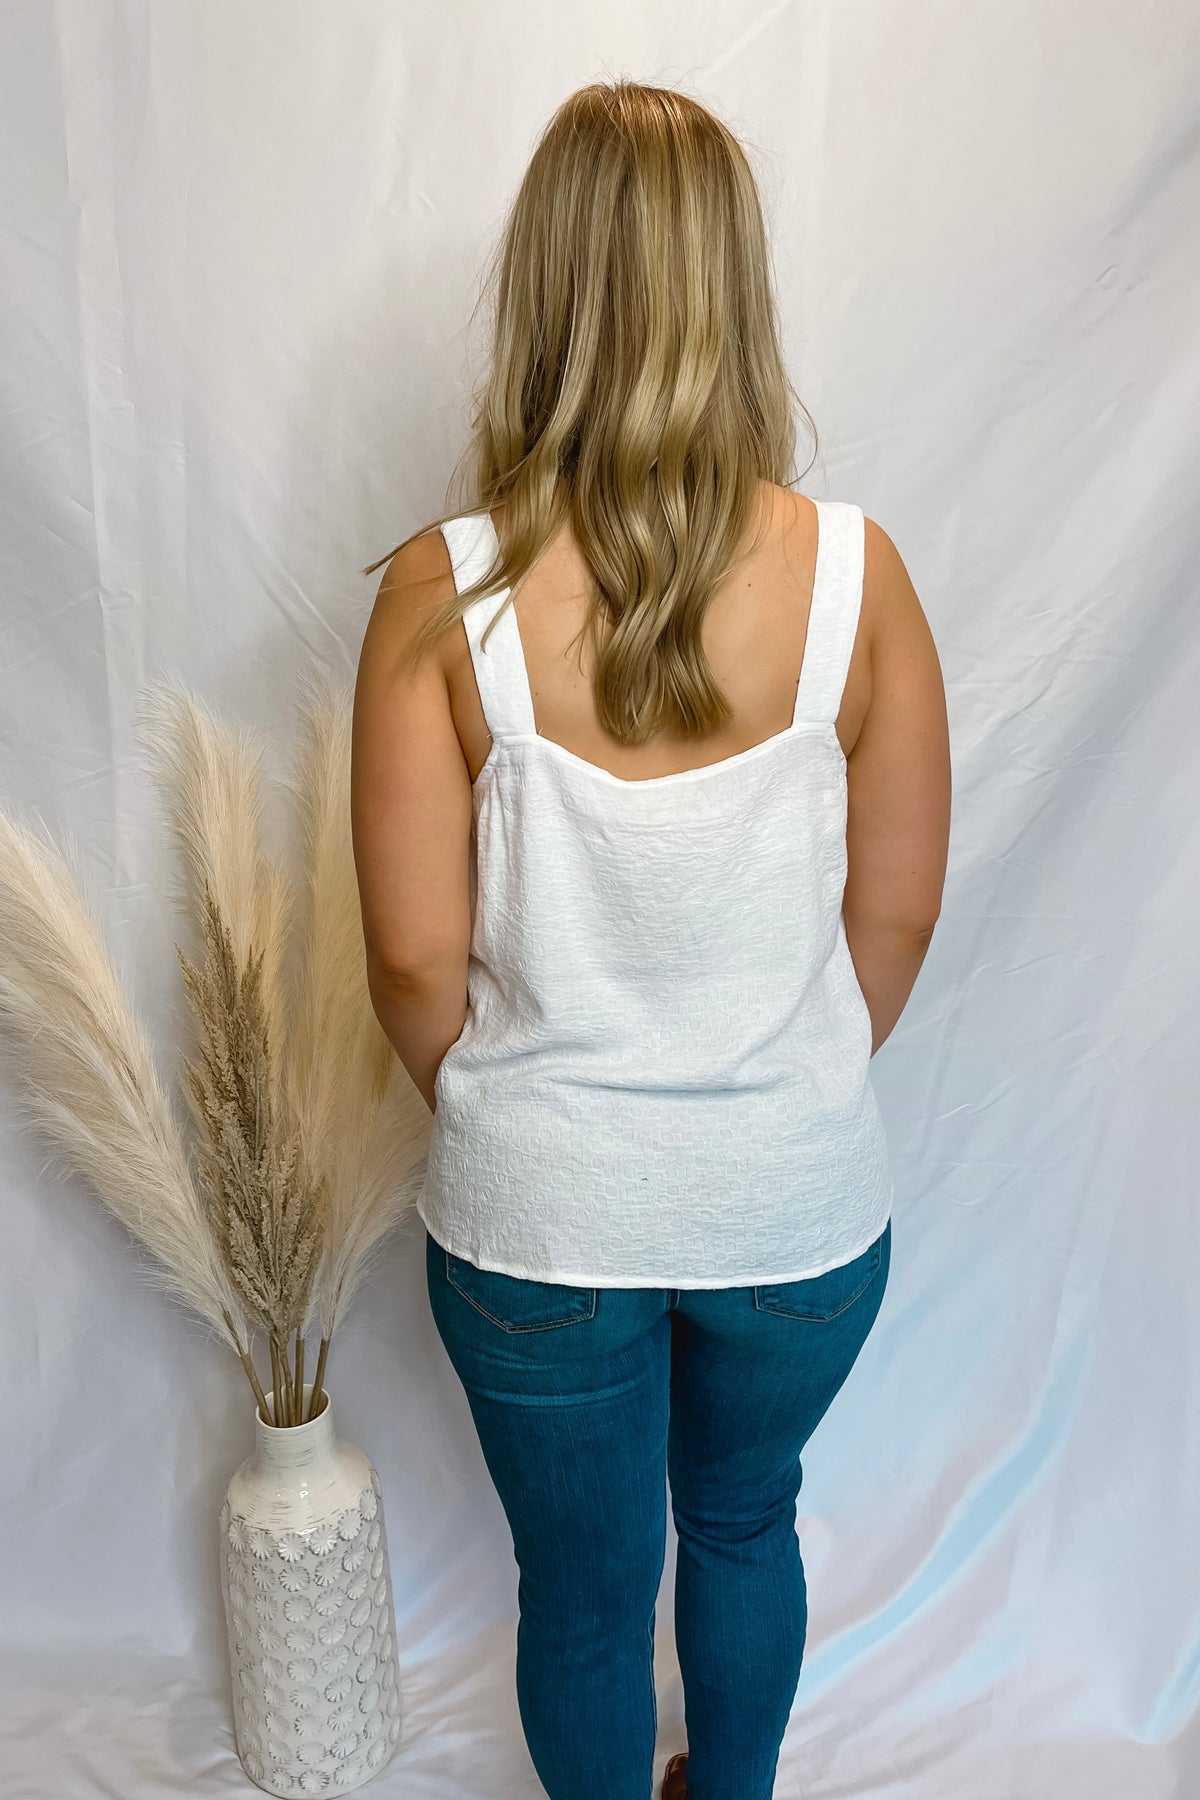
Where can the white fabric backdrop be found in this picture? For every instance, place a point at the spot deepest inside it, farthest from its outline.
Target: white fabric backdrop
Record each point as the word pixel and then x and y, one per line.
pixel 239 251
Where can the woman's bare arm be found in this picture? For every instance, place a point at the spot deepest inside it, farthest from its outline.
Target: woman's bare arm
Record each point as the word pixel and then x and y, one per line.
pixel 410 810
pixel 899 788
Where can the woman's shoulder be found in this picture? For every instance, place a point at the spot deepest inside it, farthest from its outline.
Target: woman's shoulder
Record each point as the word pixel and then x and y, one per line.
pixel 892 615
pixel 416 581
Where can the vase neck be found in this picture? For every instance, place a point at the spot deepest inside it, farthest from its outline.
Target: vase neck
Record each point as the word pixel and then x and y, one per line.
pixel 296 1447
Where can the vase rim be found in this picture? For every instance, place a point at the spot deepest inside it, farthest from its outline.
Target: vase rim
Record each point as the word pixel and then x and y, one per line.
pixel 291 1430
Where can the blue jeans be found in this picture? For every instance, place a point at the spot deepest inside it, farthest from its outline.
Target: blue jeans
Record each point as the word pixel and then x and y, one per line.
pixel 587 1401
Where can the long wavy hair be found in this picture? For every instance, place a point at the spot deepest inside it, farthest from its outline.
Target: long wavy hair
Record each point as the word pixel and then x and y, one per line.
pixel 636 386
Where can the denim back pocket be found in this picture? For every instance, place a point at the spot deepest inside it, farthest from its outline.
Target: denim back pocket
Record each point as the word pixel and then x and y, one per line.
pixel 824 1296
pixel 516 1303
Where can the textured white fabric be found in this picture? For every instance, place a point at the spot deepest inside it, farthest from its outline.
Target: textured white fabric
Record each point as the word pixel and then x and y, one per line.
pixel 664 1076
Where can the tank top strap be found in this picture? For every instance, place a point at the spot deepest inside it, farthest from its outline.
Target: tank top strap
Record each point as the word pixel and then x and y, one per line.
pixel 500 671
pixel 834 612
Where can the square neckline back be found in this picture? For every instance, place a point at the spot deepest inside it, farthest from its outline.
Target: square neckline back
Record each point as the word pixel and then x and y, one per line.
pixel 815 671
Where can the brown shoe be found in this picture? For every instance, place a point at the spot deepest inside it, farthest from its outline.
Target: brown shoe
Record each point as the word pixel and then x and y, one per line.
pixel 674 1782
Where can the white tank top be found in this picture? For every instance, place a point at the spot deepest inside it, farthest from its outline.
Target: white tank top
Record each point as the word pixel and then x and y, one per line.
pixel 664 1075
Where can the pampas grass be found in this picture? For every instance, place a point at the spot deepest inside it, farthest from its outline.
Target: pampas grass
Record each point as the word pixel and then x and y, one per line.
pixel 266 1205
pixel 364 1125
pixel 84 1074
pixel 308 1136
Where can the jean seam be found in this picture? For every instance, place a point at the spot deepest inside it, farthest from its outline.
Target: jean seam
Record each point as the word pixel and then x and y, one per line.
pixel 650 1658
pixel 575 1318
pixel 541 1325
pixel 821 1318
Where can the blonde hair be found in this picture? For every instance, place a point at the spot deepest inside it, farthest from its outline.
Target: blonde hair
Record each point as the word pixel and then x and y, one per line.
pixel 636 385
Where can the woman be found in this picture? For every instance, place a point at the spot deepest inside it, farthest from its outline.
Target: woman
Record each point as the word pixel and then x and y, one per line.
pixel 651 793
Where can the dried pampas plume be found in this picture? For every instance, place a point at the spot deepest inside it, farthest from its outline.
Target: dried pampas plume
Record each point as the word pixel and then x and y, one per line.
pixel 84 1073
pixel 266 1206
pixel 210 777
pixel 310 1138
pixel 287 993
pixel 364 1124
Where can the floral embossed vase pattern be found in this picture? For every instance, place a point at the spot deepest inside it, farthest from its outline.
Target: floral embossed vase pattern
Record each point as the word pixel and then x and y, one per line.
pixel 308 1602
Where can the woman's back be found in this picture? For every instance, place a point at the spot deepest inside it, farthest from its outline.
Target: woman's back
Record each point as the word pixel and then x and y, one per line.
pixel 663 1077
pixel 754 634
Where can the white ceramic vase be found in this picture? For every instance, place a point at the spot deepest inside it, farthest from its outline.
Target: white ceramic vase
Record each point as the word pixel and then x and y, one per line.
pixel 308 1603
